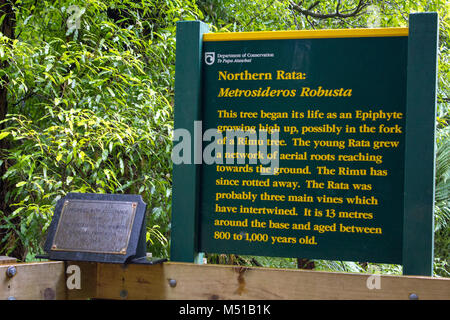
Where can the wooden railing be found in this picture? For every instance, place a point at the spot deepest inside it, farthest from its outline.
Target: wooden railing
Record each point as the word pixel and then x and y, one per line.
pixel 170 280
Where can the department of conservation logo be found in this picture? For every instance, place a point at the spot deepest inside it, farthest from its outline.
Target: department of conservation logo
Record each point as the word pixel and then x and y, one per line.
pixel 210 58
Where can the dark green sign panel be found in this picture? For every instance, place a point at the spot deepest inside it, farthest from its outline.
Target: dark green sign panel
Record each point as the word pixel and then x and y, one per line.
pixel 305 144
pixel 338 191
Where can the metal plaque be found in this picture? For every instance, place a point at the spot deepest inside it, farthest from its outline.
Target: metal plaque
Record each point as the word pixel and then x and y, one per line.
pixel 94 226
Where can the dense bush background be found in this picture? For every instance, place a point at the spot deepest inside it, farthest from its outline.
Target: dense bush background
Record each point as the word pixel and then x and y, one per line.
pixel 89 108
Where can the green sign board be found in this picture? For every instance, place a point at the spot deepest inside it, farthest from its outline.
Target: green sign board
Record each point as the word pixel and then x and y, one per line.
pixel 337 192
pixel 310 144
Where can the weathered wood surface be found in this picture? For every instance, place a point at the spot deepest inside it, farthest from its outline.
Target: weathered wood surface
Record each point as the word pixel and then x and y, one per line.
pixel 33 281
pixel 229 282
pixel 88 283
pixel 7 260
pixel 47 280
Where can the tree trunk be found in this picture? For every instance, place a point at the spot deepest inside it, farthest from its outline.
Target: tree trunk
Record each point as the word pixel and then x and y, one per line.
pixel 305 264
pixel 7 29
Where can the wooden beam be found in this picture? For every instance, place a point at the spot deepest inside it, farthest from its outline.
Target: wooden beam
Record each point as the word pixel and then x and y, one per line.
pixel 88 281
pixel 190 281
pixel 33 281
pixel 7 260
pixel 185 281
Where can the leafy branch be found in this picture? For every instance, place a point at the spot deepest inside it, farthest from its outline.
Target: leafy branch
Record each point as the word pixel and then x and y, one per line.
pixel 336 14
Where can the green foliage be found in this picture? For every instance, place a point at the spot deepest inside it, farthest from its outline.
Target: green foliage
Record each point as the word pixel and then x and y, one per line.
pixel 442 192
pixel 90 108
pixel 442 200
pixel 232 15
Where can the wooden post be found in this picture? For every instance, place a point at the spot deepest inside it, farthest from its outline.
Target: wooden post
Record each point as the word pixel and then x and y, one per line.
pixel 185 191
pixel 420 141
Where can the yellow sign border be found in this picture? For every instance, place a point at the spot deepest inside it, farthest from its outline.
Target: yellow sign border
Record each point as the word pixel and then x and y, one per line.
pixel 306 34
